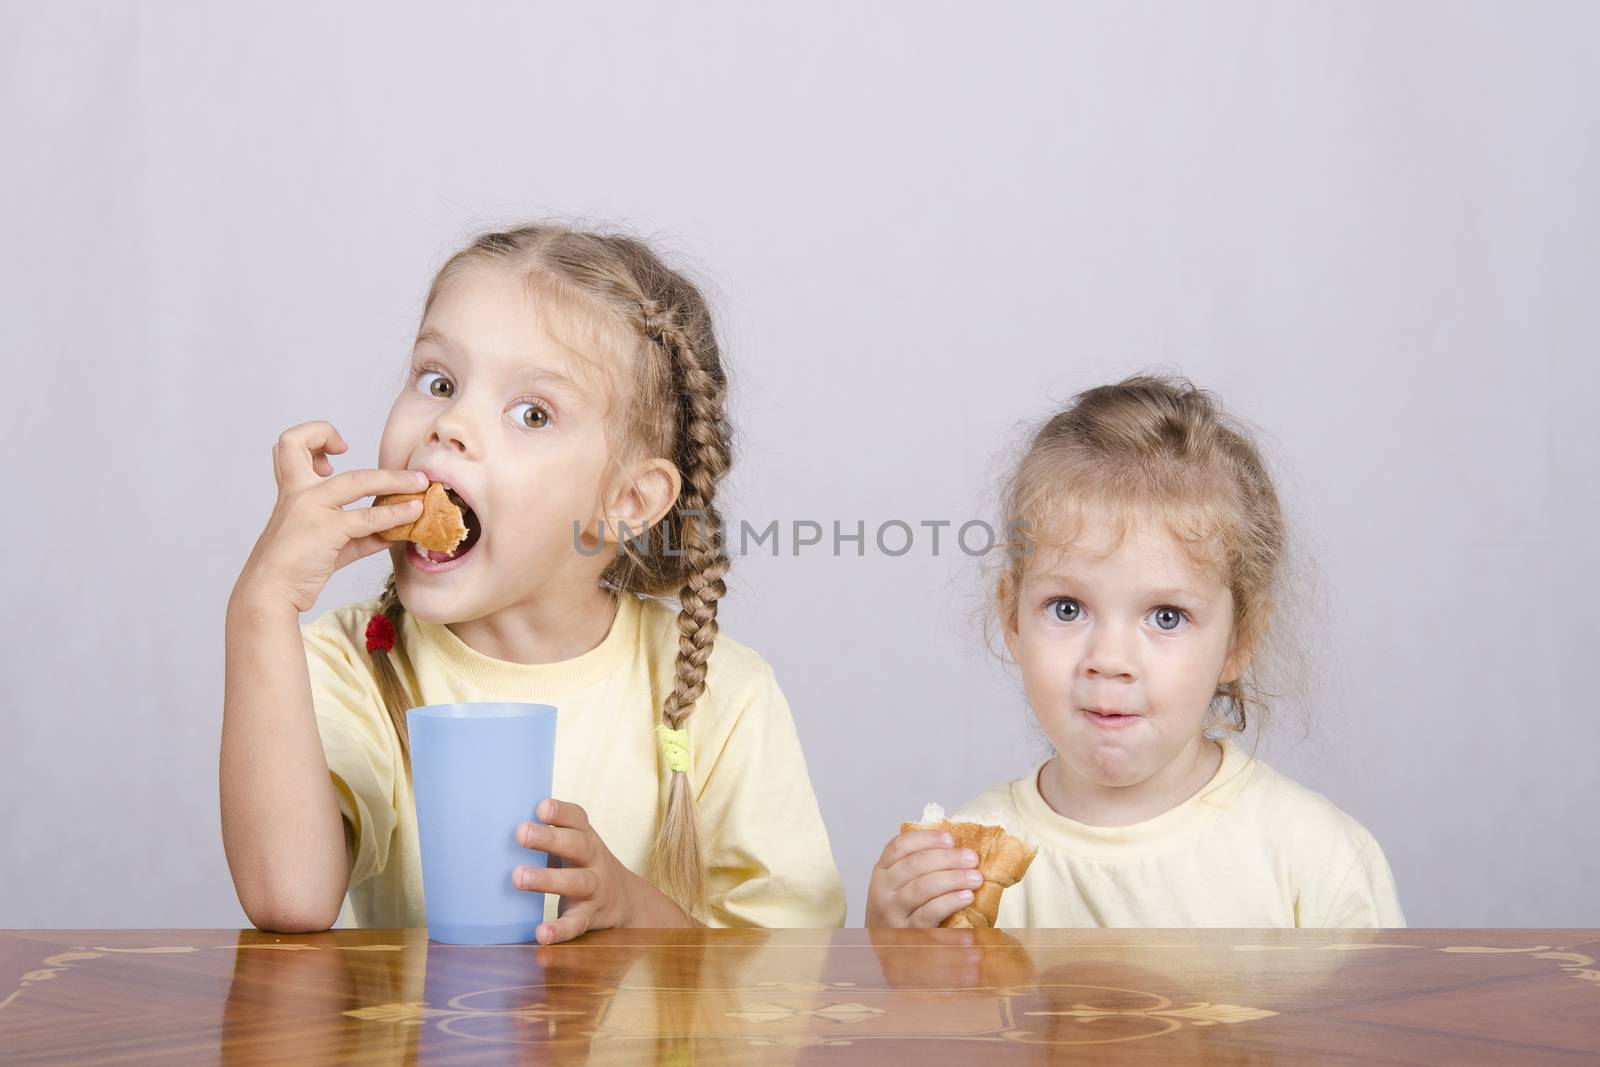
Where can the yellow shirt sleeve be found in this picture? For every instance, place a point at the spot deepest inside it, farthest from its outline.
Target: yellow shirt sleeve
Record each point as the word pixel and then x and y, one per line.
pixel 358 742
pixel 1363 896
pixel 768 857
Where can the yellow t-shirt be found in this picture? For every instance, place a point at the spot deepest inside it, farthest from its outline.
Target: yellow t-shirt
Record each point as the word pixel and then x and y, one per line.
pixel 1251 848
pixel 768 858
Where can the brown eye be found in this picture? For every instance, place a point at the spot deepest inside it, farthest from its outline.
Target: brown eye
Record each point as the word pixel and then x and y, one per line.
pixel 440 387
pixel 535 418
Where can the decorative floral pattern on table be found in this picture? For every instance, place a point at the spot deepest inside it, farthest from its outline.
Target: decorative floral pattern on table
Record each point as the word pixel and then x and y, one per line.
pixel 624 1012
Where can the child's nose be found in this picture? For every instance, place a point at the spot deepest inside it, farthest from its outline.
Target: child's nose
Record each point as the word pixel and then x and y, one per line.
pixel 1109 654
pixel 452 429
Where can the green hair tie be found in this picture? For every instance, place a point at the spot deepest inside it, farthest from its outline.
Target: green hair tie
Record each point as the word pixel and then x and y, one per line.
pixel 674 746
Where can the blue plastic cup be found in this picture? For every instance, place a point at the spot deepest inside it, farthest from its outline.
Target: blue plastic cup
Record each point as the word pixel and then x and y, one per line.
pixel 478 771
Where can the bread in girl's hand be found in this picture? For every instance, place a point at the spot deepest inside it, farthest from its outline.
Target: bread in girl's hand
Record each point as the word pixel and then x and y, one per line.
pixel 1002 860
pixel 441 525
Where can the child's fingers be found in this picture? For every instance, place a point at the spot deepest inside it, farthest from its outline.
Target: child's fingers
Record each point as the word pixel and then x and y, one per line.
pixel 911 841
pixel 320 462
pixel 574 922
pixel 927 861
pixel 299 456
pixel 360 548
pixel 574 845
pixel 355 485
pixel 938 884
pixel 940 908
pixel 564 813
pixel 362 522
pixel 570 882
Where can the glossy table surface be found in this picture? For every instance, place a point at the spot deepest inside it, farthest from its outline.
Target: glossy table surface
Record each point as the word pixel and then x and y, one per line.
pixel 804 996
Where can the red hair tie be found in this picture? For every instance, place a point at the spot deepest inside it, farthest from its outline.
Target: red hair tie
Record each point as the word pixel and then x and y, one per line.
pixel 380 633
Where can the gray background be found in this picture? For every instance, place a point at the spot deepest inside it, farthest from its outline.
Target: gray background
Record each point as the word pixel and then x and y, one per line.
pixel 1372 228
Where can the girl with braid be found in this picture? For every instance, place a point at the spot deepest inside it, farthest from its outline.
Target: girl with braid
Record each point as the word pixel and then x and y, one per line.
pixel 566 386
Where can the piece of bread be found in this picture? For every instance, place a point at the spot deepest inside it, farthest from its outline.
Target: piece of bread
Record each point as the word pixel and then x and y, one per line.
pixel 1002 860
pixel 441 525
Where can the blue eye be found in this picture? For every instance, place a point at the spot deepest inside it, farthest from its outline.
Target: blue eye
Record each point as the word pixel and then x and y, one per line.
pixel 1168 618
pixel 1065 609
pixel 428 388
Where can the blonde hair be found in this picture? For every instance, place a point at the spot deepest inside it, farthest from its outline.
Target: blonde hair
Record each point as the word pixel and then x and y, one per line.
pixel 622 299
pixel 1157 447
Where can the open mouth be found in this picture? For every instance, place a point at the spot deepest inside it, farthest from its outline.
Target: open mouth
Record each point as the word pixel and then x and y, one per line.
pixel 469 519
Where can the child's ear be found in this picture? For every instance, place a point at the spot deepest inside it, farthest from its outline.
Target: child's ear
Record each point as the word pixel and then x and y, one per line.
pixel 1239 655
pixel 641 496
pixel 1242 647
pixel 1005 597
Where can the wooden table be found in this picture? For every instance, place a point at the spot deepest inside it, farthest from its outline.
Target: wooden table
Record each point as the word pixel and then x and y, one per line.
pixel 804 996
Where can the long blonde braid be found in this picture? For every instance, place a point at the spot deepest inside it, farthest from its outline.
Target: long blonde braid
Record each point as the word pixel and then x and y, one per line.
pixel 395 697
pixel 704 456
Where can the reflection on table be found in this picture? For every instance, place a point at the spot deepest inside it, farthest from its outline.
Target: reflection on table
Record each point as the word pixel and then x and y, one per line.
pixel 750 996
